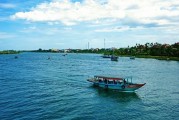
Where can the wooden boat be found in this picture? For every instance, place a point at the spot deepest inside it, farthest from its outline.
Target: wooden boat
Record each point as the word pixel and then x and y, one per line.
pixel 114 58
pixel 64 54
pixel 132 57
pixel 121 84
pixel 106 56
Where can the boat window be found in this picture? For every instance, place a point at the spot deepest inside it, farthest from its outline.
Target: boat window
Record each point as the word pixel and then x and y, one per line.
pixel 115 82
pixel 119 82
pixel 105 80
pixel 124 81
pixel 110 82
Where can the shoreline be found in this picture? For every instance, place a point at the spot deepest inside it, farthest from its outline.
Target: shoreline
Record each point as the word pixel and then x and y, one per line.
pixel 5 52
pixel 155 57
pixel 168 58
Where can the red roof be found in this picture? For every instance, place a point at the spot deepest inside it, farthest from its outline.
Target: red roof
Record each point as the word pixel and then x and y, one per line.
pixel 111 78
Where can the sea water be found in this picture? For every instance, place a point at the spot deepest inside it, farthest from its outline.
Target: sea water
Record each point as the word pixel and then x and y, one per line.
pixel 36 87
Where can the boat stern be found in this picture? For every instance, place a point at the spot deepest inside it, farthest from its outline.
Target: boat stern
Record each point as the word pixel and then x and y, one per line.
pixel 134 87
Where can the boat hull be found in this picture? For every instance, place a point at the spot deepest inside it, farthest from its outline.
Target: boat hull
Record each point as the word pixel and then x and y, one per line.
pixel 114 58
pixel 106 56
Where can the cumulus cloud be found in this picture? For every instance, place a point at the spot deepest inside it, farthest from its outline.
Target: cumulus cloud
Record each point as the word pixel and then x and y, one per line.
pixel 156 12
pixel 113 29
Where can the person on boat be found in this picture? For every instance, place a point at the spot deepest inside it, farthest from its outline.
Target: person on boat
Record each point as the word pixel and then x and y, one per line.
pixel 115 82
pixel 105 81
pixel 124 81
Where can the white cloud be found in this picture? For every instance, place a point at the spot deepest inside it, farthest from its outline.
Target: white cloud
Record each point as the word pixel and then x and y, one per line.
pixel 143 11
pixel 113 29
pixel 50 31
pixel 119 29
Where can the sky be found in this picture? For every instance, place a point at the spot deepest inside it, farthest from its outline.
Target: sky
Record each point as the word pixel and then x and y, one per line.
pixel 63 24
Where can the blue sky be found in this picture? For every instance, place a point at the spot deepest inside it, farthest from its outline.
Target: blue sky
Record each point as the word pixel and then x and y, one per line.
pixel 34 24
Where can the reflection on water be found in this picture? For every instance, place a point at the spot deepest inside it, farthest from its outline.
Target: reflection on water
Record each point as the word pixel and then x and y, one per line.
pixel 117 95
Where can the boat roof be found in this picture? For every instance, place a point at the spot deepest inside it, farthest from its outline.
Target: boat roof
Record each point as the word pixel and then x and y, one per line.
pixel 111 78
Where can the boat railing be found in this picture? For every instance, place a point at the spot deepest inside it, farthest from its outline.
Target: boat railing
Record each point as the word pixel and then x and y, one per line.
pixel 113 80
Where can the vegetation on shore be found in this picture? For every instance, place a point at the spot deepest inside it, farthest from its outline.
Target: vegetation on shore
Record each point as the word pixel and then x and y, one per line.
pixel 46 51
pixel 148 50
pixel 9 52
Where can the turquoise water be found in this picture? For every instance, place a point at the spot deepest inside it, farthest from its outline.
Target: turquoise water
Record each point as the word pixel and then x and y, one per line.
pixel 32 87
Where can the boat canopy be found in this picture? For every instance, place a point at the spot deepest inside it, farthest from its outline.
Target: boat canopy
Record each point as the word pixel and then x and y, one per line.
pixel 109 78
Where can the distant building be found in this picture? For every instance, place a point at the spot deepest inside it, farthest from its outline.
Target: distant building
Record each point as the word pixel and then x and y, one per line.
pixel 55 50
pixel 67 50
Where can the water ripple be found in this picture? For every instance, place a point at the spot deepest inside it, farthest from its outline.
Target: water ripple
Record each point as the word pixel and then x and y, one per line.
pixel 32 87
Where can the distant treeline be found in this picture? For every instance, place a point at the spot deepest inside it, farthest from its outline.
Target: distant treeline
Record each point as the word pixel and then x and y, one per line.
pixel 43 50
pixel 9 52
pixel 148 50
pixel 153 49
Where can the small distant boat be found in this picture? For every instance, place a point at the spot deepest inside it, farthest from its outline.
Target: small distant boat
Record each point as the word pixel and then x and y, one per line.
pixel 106 56
pixel 48 58
pixel 115 83
pixel 114 58
pixel 64 54
pixel 132 57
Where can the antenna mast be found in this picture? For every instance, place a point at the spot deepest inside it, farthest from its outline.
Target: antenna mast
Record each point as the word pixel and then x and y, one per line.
pixel 104 43
pixel 88 45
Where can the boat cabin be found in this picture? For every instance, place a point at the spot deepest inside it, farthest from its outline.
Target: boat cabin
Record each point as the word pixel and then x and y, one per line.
pixel 113 80
pixel 117 83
